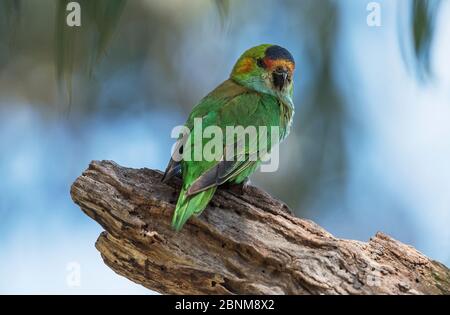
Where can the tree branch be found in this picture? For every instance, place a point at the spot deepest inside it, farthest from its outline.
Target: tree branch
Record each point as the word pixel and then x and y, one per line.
pixel 241 244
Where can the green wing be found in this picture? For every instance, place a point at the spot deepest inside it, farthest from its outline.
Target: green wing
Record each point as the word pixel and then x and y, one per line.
pixel 223 94
pixel 248 109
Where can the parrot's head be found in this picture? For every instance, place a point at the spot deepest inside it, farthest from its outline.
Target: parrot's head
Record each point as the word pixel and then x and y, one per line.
pixel 267 69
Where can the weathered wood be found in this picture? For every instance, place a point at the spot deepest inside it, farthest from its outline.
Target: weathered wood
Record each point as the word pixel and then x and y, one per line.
pixel 242 244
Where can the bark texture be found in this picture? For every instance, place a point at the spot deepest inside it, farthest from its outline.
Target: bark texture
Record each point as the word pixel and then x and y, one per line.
pixel 242 243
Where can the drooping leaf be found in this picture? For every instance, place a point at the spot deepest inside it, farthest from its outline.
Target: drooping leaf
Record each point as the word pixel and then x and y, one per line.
pixel 84 46
pixel 9 18
pixel 64 47
pixel 423 22
pixel 223 8
pixel 106 17
pixel 11 8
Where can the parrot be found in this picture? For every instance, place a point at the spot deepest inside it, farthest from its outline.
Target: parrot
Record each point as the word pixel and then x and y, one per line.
pixel 259 92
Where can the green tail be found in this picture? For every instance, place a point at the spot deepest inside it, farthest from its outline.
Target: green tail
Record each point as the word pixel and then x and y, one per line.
pixel 187 206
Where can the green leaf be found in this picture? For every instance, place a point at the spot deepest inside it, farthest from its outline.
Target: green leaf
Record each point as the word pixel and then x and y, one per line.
pixel 423 20
pixel 11 9
pixel 9 18
pixel 84 46
pixel 223 8
pixel 106 17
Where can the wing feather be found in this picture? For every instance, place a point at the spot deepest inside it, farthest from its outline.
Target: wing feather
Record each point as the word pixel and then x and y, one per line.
pixel 228 105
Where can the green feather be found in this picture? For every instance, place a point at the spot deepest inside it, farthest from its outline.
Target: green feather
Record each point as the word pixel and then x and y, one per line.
pixel 188 206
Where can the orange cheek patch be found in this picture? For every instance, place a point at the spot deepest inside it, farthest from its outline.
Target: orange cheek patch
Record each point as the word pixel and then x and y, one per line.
pixel 245 66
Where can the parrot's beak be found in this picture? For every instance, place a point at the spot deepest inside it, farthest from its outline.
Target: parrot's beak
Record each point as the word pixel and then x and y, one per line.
pixel 280 77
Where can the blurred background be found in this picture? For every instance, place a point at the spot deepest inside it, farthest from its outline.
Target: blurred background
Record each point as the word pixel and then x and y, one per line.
pixel 369 149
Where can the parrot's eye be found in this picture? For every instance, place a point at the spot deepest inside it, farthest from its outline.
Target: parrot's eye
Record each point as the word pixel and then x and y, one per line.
pixel 260 63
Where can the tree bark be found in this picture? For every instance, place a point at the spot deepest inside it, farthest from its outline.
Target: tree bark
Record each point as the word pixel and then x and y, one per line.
pixel 243 243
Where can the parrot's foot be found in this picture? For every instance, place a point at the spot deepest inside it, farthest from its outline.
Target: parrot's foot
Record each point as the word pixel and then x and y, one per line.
pixel 239 189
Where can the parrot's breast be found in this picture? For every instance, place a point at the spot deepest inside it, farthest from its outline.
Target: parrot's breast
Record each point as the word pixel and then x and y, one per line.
pixel 286 118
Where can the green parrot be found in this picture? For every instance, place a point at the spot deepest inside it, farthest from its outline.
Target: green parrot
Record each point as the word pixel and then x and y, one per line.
pixel 258 93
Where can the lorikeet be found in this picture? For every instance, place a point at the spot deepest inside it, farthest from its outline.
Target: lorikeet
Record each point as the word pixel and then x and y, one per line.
pixel 258 93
